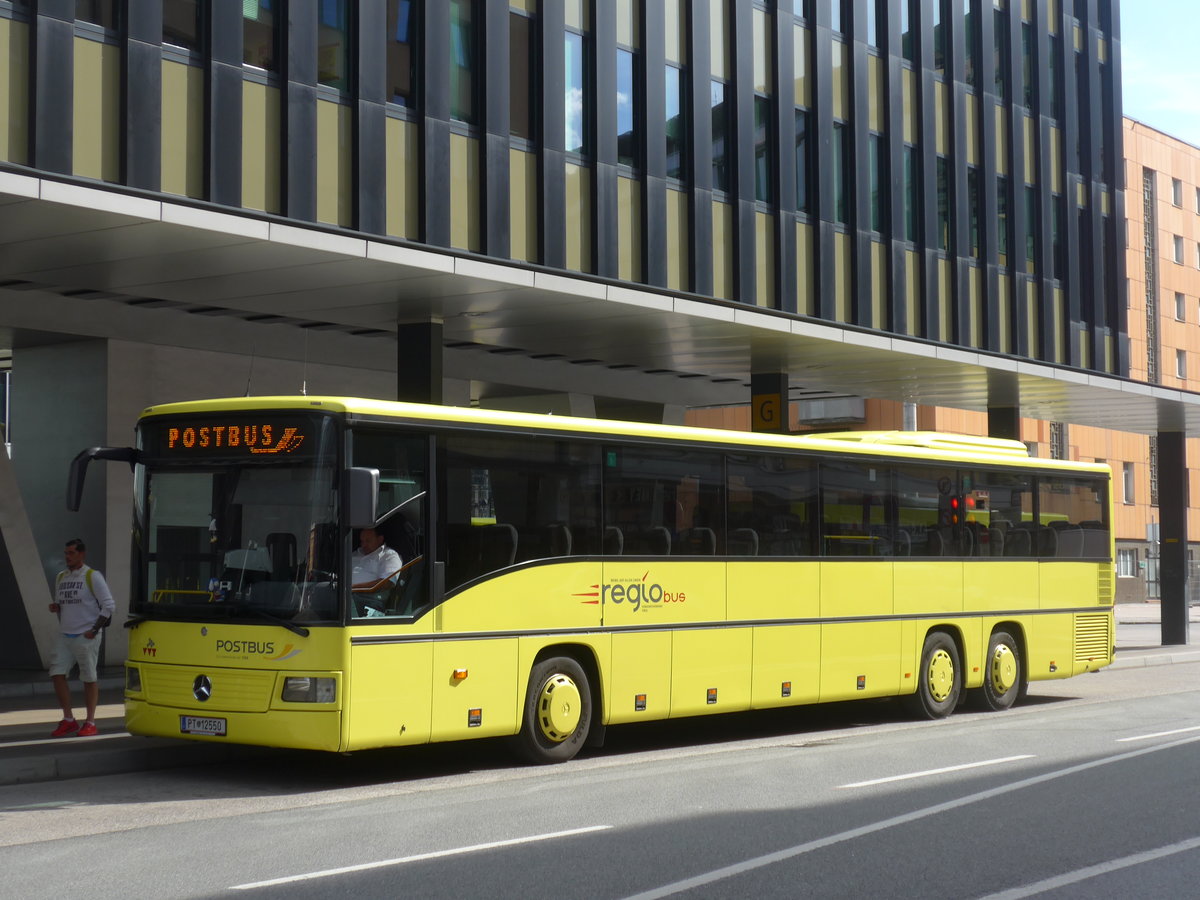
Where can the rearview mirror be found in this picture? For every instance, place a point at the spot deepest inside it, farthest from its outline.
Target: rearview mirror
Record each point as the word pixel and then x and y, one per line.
pixel 79 467
pixel 360 495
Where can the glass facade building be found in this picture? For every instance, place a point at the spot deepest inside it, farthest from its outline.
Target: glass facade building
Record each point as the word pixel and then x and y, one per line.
pixel 947 170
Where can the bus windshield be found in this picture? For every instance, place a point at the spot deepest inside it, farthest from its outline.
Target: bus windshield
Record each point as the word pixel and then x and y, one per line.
pixel 237 540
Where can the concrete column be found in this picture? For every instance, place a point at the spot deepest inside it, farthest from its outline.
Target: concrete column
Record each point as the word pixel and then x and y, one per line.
pixel 28 634
pixel 1004 422
pixel 1173 538
pixel 59 409
pixel 419 362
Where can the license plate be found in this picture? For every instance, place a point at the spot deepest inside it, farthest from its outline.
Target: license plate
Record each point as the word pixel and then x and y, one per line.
pixel 201 725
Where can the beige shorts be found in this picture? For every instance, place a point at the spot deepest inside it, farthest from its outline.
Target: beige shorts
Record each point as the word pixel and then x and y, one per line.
pixel 70 650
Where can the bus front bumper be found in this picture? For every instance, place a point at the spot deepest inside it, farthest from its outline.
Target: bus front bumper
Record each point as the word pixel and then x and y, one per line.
pixel 318 729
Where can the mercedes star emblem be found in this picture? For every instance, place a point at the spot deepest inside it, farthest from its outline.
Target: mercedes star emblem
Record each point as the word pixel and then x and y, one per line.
pixel 202 688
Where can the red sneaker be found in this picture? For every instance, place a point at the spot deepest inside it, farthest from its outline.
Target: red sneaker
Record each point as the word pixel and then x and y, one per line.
pixel 64 728
pixel 86 730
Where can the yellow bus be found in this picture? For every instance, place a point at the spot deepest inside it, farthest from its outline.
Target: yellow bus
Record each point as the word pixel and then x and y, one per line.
pixel 553 576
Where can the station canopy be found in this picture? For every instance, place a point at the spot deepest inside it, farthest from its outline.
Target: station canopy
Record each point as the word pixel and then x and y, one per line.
pixel 80 261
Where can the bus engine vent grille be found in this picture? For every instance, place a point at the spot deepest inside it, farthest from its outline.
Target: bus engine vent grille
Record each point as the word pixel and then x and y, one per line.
pixel 1105 583
pixel 1092 638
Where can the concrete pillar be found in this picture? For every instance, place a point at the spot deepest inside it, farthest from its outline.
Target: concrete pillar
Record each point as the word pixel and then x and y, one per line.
pixel 59 409
pixel 1173 538
pixel 28 634
pixel 1004 422
pixel 419 362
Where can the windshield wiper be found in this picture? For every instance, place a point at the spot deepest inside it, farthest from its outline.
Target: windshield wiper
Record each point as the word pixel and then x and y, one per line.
pixel 399 506
pixel 263 614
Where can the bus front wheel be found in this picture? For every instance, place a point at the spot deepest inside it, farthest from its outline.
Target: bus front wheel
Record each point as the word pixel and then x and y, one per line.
pixel 939 678
pixel 558 712
pixel 1004 675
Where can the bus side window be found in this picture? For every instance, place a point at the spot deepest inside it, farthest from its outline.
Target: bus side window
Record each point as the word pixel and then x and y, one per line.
pixel 770 501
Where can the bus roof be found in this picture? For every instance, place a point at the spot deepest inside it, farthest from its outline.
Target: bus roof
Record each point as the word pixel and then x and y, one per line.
pixel 911 444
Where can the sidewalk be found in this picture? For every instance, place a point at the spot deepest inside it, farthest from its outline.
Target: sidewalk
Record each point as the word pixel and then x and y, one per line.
pixel 28 713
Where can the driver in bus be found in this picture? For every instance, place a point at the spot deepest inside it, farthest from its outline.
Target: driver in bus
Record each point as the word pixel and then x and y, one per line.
pixel 376 565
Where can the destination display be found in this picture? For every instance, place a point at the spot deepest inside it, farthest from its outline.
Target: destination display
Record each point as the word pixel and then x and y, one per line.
pixel 262 437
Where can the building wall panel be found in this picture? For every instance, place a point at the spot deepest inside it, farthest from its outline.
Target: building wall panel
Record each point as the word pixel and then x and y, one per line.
pixel 14 91
pixel 335 195
pixel 260 147
pixel 182 129
pixel 97 111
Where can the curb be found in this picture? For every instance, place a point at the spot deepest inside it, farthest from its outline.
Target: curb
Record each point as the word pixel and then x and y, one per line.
pixel 43 687
pixel 119 760
pixel 1154 659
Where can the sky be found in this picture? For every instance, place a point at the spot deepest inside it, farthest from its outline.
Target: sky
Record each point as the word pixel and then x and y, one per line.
pixel 1160 65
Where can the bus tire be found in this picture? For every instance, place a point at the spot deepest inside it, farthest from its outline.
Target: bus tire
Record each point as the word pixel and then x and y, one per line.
pixel 1003 675
pixel 939 678
pixel 558 712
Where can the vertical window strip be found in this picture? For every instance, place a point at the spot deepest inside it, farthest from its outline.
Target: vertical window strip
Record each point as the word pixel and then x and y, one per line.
pixel 333 44
pixel 802 161
pixel 839 173
pixel 908 37
pixel 462 60
pixel 260 34
pixel 1002 219
pixel 719 107
pixel 181 24
pixel 762 149
pixel 973 196
pixel 576 94
pixel 876 179
pixel 677 123
pixel 401 60
pixel 627 93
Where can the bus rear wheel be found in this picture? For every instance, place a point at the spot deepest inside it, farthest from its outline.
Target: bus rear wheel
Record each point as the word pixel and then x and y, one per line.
pixel 558 712
pixel 1004 674
pixel 939 678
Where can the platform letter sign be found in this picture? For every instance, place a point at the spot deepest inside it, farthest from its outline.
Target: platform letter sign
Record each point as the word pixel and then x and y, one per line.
pixel 768 403
pixel 767 415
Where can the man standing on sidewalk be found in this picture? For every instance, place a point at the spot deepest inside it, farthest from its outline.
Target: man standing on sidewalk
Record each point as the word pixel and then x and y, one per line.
pixel 84 605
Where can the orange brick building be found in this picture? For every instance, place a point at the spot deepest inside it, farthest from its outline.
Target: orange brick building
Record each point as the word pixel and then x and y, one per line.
pixel 1162 245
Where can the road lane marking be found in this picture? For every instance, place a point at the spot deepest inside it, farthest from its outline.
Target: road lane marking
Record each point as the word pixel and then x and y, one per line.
pixel 1112 865
pixel 758 862
pixel 436 854
pixel 66 741
pixel 941 771
pixel 1146 737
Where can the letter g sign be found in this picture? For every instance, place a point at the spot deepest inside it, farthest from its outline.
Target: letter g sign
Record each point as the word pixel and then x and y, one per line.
pixel 766 412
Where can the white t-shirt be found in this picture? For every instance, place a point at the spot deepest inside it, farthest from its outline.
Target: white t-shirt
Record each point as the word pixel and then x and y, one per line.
pixel 383 562
pixel 79 606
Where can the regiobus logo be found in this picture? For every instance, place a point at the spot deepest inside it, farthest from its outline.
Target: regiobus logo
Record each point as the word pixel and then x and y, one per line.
pixel 637 592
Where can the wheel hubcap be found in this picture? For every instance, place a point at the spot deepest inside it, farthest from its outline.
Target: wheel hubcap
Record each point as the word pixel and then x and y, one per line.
pixel 559 707
pixel 941 676
pixel 1004 669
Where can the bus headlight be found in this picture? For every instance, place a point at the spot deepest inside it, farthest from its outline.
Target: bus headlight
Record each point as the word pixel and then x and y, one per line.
pixel 306 689
pixel 133 679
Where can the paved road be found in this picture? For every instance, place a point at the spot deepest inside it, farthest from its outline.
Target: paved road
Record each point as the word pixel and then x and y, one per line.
pixel 1087 790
